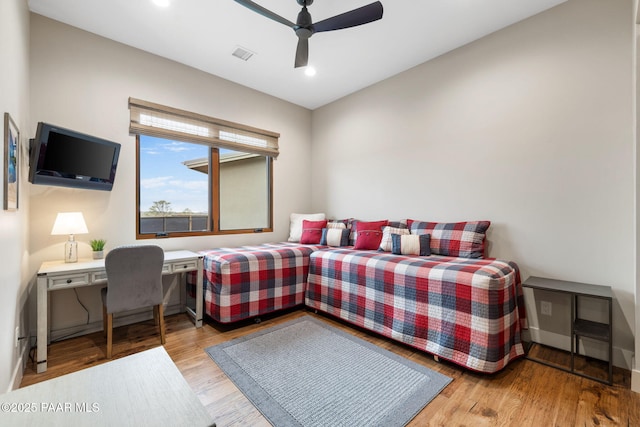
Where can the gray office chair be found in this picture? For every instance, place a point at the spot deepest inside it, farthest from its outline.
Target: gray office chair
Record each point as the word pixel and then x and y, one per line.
pixel 134 280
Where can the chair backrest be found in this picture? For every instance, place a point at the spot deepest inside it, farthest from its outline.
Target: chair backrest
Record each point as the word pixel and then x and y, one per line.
pixel 134 277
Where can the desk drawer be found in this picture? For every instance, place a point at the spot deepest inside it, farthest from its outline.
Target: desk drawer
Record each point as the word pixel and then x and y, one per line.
pixel 70 281
pixel 184 266
pixel 100 276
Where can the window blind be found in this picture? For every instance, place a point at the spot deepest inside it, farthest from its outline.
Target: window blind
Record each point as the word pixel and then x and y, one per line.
pixel 152 119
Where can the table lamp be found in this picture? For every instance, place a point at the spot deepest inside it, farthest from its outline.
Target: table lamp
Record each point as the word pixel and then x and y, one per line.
pixel 69 223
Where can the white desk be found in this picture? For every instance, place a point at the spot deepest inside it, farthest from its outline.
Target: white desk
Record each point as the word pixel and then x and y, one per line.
pixel 144 389
pixel 54 275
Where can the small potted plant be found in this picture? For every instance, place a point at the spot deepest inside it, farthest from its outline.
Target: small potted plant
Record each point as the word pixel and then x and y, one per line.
pixel 98 247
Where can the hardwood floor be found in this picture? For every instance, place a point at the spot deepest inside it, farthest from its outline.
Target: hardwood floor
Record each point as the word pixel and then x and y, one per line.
pixel 525 393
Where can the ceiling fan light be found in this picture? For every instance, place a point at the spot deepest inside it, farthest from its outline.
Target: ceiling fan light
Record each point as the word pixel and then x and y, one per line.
pixel 161 3
pixel 309 71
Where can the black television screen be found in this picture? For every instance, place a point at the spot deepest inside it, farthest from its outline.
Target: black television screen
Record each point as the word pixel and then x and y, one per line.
pixel 67 158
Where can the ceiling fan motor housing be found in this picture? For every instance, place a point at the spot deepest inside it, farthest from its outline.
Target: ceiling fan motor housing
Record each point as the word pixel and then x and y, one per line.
pixel 304 24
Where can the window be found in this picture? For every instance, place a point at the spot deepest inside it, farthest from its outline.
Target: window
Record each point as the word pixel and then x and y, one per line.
pixel 199 175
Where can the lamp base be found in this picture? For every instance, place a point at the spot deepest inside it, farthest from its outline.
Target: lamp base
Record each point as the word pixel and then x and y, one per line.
pixel 71 251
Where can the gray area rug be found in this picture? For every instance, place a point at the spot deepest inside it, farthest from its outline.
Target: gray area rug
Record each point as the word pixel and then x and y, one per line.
pixel 307 373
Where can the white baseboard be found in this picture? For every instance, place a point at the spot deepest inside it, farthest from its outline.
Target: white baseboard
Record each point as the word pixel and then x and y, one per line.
pixel 635 377
pixel 125 319
pixel 18 370
pixel 635 380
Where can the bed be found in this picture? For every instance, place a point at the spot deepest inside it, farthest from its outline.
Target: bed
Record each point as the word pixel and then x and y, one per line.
pixel 249 281
pixel 467 311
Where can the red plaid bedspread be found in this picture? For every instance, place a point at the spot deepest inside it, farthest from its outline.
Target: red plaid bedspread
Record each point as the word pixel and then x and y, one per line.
pixel 468 311
pixel 249 281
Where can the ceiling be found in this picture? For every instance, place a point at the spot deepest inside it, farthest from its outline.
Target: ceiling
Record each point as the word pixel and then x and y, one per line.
pixel 204 33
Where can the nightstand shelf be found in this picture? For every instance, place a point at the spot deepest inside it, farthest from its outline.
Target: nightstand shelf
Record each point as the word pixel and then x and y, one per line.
pixel 594 330
pixel 580 328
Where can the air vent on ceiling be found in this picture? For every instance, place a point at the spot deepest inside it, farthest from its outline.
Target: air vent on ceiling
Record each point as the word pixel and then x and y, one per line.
pixel 242 53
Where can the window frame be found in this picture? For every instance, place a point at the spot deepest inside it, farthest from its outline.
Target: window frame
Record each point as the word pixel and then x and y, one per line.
pixel 171 123
pixel 213 143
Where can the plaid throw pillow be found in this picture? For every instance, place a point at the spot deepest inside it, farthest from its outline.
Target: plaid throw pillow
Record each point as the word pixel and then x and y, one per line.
pixel 399 224
pixel 352 225
pixel 456 239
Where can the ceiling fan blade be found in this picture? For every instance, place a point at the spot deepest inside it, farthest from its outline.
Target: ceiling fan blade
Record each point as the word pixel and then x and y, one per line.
pixel 362 15
pixel 302 52
pixel 265 12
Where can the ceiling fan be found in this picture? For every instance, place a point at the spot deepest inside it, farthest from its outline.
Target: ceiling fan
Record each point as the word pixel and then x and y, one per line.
pixel 305 28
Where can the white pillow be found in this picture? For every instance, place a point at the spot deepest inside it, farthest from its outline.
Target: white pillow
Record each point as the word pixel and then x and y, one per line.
pixel 295 224
pixel 387 231
pixel 336 225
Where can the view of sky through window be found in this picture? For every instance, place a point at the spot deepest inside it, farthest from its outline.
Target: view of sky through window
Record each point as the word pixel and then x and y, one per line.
pixel 165 177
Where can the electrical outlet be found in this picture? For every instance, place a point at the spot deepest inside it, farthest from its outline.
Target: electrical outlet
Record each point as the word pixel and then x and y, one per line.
pixel 17 336
pixel 545 308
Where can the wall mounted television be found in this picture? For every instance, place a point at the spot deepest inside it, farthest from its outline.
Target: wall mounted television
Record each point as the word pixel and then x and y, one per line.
pixel 66 158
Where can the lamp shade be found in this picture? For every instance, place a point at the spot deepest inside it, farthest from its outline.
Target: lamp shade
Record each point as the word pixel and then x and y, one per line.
pixel 69 223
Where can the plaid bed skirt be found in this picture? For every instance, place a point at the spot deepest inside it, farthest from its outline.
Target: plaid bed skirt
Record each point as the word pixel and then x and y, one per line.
pixel 249 281
pixel 467 311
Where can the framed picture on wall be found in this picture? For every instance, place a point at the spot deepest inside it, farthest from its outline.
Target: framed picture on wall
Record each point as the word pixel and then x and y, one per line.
pixel 11 162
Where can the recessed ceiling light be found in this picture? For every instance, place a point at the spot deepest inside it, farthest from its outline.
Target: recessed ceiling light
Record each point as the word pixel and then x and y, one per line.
pixel 161 3
pixel 310 71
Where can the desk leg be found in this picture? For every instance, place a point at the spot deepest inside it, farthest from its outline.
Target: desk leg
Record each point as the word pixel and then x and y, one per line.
pixel 41 356
pixel 199 292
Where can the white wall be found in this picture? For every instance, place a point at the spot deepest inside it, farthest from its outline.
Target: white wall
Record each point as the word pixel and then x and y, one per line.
pixel 530 127
pixel 635 374
pixel 82 81
pixel 14 90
